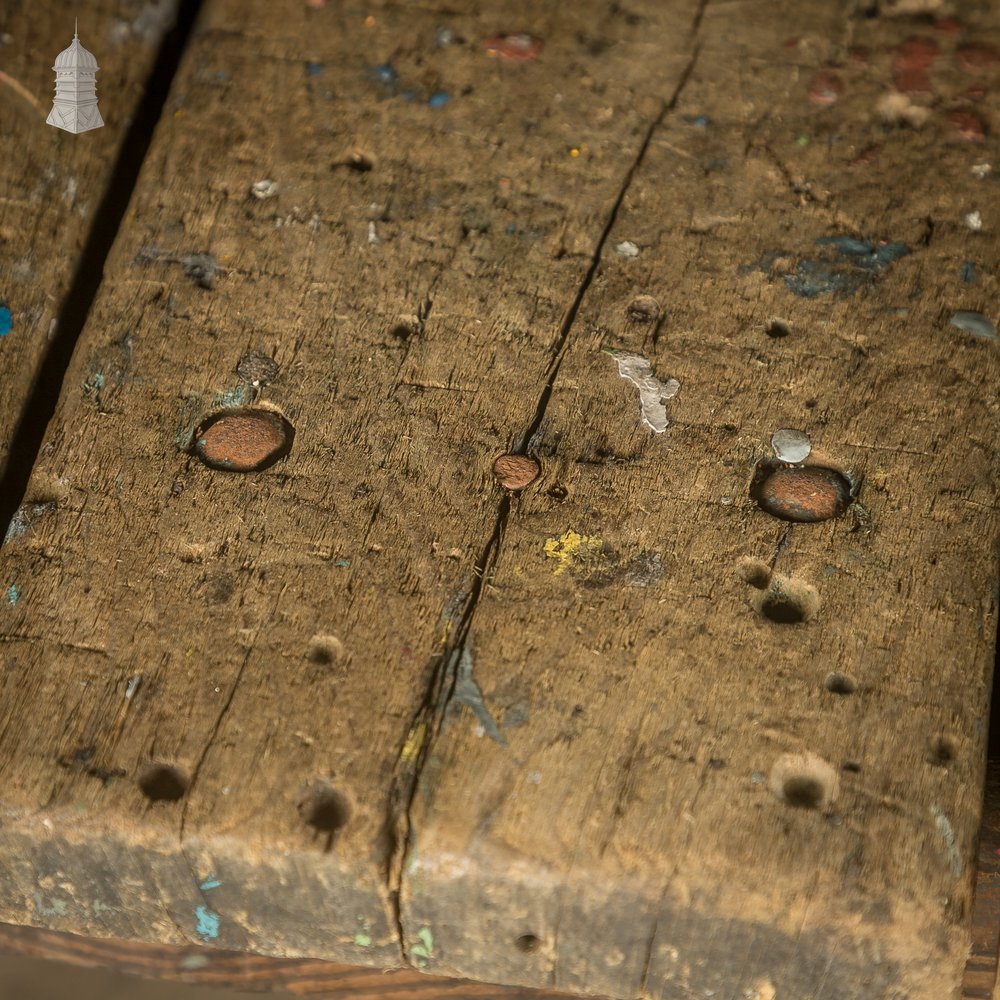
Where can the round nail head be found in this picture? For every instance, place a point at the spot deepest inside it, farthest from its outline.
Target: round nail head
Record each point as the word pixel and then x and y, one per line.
pixel 243 440
pixel 808 494
pixel 515 472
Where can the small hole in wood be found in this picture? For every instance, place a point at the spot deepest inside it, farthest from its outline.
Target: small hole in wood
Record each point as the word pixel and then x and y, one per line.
pixel 940 750
pixel 162 782
pixel 838 683
pixel 325 649
pixel 777 328
pixel 803 791
pixel 787 601
pixel 804 781
pixel 558 492
pixel 851 767
pixel 528 943
pixel 756 572
pixel 323 807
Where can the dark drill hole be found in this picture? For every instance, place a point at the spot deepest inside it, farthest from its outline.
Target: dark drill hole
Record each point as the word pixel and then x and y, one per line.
pixel 558 492
pixel 161 782
pixel 940 750
pixel 528 943
pixel 837 683
pixel 323 808
pixel 802 791
pixel 359 162
pixel 783 609
pixel 777 328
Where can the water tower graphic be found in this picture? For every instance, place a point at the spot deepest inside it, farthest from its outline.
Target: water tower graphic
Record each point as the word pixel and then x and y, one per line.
pixel 75 106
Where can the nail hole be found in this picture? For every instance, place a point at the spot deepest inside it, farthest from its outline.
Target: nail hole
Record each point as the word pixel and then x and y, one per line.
pixel 838 683
pixel 777 328
pixel 323 807
pixel 528 943
pixel 644 309
pixel 756 572
pixel 359 162
pixel 325 649
pixel 161 782
pixel 851 767
pixel 803 494
pixel 788 601
pixel 940 750
pixel 804 781
pixel 811 404
pixel 558 492
pixel 243 439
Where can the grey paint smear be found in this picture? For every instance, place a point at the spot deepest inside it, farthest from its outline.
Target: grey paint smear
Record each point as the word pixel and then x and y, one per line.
pixel 467 693
pixel 948 834
pixel 652 392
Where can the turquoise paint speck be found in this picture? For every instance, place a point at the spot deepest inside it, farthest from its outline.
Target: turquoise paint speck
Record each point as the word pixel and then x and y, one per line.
pixel 208 923
pixel 439 99
pixel 342 563
pixel 6 321
pixel 363 940
pixel 13 594
pixel 210 883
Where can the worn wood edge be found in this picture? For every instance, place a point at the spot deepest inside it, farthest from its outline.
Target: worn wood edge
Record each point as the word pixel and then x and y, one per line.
pixel 980 979
pixel 193 964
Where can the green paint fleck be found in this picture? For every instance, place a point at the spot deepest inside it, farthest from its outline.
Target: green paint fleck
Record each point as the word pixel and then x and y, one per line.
pixel 342 563
pixel 363 940
pixel 423 951
pixel 803 140
pixel 13 594
pixel 231 397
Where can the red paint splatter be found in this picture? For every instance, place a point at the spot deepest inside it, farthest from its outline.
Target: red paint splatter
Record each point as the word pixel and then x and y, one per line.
pixel 976 93
pixel 911 65
pixel 826 88
pixel 520 47
pixel 977 58
pixel 967 125
pixel 948 26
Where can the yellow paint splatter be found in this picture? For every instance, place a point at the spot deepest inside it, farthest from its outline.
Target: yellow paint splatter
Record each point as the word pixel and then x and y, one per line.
pixel 571 549
pixel 414 741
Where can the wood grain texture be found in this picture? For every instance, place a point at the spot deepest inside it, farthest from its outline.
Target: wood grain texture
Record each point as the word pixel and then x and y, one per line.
pixel 269 634
pixel 239 970
pixel 647 826
pixel 51 182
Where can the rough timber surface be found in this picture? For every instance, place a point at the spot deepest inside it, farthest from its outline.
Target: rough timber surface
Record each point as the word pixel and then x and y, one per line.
pixel 558 779
pixel 265 633
pixel 51 182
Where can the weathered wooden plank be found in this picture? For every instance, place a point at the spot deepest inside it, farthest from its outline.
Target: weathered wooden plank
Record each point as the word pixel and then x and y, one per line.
pixel 52 183
pixel 743 757
pixel 260 651
pixel 239 970
pixel 980 979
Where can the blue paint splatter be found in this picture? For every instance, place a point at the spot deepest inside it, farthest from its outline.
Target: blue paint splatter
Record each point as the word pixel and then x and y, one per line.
pixel 968 272
pixel 438 99
pixel 975 323
pixel 13 594
pixel 6 321
pixel 342 563
pixel 847 264
pixel 210 883
pixel 314 68
pixel 384 74
pixel 208 923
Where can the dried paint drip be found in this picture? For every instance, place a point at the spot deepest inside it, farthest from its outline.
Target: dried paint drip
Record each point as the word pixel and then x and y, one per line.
pixel 652 392
pixel 802 494
pixel 790 445
pixel 515 472
pixel 975 323
pixel 518 47
pixel 243 440
pixel 6 321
